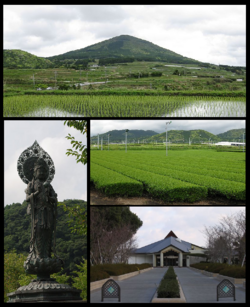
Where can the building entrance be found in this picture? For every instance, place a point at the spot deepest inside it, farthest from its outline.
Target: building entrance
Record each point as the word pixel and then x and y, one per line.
pixel 170 258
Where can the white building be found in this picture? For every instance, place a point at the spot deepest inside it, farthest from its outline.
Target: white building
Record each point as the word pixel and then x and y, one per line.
pixel 169 251
pixel 230 144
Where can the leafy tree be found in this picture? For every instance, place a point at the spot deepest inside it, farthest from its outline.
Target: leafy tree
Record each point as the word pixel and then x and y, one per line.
pixel 70 241
pixel 77 218
pixel 63 87
pixel 13 268
pixel 80 281
pixel 15 276
pixel 80 150
pixel 111 235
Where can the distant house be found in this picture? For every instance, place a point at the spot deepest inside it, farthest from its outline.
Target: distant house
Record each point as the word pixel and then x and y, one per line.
pixel 239 80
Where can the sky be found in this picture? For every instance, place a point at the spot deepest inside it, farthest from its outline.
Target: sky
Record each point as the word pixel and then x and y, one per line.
pixel 209 33
pixel 159 126
pixel 70 180
pixel 188 223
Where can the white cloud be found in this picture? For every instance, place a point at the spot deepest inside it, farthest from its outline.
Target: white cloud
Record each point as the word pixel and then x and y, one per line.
pixel 187 223
pixel 190 30
pixel 70 178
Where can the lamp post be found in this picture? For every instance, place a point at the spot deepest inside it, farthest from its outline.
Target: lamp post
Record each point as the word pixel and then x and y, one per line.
pixel 126 136
pixel 167 137
pixel 243 140
pixel 98 141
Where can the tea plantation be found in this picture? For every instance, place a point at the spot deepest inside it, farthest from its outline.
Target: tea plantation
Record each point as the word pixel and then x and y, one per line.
pixel 188 176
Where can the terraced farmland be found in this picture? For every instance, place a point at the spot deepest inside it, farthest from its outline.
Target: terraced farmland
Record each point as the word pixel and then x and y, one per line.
pixel 188 176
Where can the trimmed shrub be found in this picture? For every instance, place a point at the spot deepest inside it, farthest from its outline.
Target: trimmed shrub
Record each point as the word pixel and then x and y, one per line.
pixel 235 272
pixel 102 271
pixel 222 269
pixel 169 286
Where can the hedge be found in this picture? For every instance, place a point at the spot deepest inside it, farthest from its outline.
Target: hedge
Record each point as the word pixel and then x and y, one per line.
pixel 169 286
pixel 102 271
pixel 225 269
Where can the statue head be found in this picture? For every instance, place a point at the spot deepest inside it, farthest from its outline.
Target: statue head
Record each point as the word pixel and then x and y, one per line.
pixel 40 170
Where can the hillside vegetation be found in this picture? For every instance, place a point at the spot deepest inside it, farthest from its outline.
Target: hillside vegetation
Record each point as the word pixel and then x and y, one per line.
pixel 70 247
pixel 176 136
pixel 128 48
pixel 23 60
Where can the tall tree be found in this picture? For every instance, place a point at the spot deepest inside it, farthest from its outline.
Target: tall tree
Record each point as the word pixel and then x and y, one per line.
pixel 228 238
pixel 111 233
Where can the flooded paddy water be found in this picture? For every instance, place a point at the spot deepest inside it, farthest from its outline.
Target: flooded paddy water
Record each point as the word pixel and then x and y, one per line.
pixel 122 106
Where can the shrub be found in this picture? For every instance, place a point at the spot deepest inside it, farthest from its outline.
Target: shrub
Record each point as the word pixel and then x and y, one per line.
pixel 102 271
pixel 222 268
pixel 169 286
pixel 234 271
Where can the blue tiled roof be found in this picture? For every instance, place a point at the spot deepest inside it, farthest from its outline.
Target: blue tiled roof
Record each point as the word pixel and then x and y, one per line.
pixel 162 244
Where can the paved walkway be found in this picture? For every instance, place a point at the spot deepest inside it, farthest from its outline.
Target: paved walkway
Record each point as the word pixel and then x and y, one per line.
pixel 138 289
pixel 197 288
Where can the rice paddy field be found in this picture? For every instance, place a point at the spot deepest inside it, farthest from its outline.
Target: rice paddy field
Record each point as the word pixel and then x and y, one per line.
pixel 187 176
pixel 122 106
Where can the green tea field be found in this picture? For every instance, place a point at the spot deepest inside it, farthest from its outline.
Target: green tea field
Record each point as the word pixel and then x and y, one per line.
pixel 186 176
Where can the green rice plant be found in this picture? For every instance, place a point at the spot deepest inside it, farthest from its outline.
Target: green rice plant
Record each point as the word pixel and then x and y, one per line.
pixel 123 105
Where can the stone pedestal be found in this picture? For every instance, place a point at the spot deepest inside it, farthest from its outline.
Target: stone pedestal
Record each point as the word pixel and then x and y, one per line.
pixel 39 291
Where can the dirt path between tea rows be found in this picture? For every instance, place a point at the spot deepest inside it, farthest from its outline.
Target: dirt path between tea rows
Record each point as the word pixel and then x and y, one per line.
pixel 98 198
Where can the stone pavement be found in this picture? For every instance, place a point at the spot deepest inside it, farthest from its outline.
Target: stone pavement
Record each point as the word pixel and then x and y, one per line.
pixel 138 289
pixel 197 288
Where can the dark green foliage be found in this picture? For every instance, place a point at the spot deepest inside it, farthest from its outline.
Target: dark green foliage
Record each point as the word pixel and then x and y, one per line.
pixel 102 271
pixel 70 247
pixel 117 217
pixel 119 135
pixel 126 46
pixel 170 274
pixel 234 271
pixel 156 74
pixel 169 287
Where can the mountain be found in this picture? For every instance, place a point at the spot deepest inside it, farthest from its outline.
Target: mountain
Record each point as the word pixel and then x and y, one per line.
pixel 118 136
pixel 233 135
pixel 175 136
pixel 14 58
pixel 126 47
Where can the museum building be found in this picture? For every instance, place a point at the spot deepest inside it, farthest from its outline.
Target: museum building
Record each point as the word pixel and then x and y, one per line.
pixel 169 251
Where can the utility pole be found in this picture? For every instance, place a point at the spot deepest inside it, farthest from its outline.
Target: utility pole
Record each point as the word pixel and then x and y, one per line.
pixel 167 136
pixel 243 140
pixel 98 141
pixel 55 77
pixel 33 80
